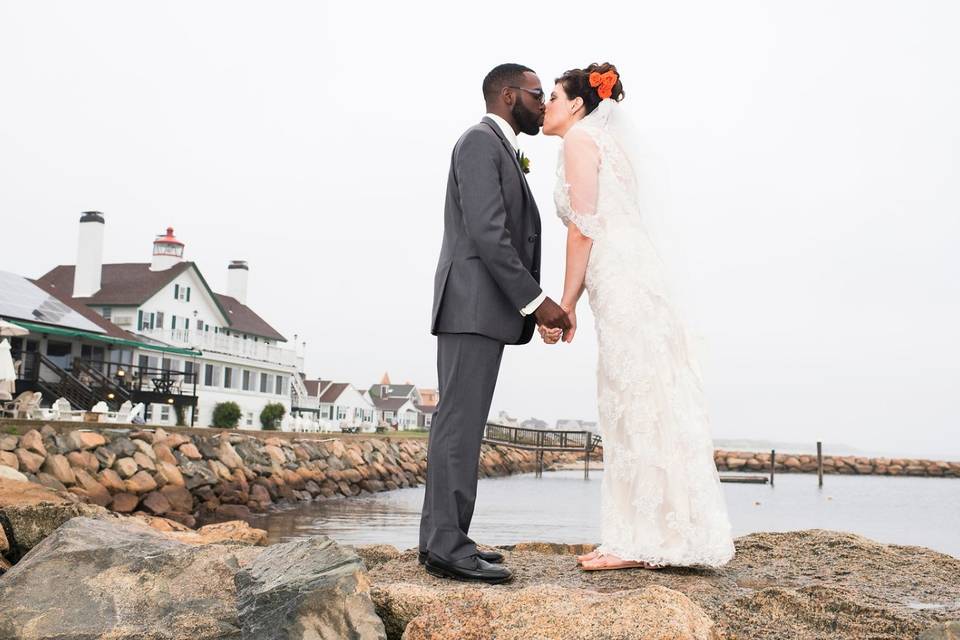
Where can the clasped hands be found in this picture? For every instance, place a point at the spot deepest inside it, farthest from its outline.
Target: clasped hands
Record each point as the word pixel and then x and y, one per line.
pixel 556 322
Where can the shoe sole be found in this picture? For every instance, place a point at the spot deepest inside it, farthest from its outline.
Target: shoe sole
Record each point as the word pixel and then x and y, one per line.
pixel 441 573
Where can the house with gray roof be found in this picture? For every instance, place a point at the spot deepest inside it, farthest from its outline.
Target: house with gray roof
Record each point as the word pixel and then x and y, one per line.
pixel 232 352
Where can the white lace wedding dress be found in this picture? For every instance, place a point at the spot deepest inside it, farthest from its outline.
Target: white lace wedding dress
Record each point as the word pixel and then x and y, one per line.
pixel 661 499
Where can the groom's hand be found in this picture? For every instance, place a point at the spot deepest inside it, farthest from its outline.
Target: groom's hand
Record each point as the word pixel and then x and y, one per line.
pixel 551 315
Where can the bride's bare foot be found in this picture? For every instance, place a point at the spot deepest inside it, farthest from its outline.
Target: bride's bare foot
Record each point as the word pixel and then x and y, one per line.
pixel 588 556
pixel 611 562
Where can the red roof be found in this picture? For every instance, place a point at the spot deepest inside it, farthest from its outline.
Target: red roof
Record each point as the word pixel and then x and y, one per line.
pixel 242 318
pixel 124 284
pixel 333 391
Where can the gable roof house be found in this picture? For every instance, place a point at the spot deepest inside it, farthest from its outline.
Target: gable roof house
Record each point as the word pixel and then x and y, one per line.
pixel 238 355
pixel 342 405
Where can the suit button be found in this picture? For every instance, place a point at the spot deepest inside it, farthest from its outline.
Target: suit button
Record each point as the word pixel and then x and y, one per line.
pixel 532 238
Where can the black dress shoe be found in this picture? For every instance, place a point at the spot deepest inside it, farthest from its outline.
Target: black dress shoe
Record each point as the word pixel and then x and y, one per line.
pixel 473 569
pixel 493 557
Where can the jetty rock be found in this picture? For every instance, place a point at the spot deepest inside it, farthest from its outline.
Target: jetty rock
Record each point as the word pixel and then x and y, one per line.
pixel 800 585
pixel 120 578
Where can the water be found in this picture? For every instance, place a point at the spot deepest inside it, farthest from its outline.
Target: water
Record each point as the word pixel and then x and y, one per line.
pixel 563 507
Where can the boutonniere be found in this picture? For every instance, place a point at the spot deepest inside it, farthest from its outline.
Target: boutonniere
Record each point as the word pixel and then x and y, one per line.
pixel 524 161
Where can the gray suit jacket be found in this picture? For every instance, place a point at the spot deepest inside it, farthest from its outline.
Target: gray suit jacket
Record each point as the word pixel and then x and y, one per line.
pixel 489 265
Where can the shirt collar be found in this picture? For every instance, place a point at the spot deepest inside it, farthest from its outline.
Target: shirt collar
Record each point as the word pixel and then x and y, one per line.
pixel 507 130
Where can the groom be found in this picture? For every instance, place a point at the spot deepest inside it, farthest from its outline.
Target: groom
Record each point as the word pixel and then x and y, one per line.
pixel 486 295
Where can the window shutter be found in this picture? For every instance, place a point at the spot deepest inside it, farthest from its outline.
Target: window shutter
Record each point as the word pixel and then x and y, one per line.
pixel 139 320
pixel 176 292
pixel 188 294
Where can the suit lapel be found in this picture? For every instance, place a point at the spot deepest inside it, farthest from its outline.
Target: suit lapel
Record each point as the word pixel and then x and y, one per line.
pixel 513 154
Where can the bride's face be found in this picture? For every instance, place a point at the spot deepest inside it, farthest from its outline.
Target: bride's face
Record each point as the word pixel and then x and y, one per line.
pixel 561 112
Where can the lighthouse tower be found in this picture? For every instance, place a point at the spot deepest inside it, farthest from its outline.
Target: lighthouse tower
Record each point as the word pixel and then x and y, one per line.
pixel 167 251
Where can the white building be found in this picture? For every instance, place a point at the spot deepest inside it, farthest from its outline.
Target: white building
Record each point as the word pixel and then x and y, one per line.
pixel 168 302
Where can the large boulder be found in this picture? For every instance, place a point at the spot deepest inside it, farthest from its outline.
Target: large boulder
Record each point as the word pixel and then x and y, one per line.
pixel 309 588
pixel 652 613
pixel 123 580
pixel 27 524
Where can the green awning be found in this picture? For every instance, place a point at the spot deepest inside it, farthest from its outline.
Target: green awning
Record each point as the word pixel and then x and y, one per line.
pixel 89 335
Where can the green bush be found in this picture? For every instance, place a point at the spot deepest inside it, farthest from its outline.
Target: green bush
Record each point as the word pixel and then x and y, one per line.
pixel 271 416
pixel 226 415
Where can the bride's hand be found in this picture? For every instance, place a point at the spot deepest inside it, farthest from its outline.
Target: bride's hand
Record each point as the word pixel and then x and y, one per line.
pixel 572 314
pixel 550 336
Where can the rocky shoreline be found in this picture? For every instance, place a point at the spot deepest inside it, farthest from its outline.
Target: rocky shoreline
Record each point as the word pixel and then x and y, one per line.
pixel 147 578
pixel 200 476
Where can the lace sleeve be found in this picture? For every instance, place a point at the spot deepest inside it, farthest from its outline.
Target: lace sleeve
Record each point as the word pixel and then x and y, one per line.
pixel 581 166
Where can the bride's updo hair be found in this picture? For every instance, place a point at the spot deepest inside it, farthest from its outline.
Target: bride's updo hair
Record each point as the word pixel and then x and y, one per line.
pixel 576 83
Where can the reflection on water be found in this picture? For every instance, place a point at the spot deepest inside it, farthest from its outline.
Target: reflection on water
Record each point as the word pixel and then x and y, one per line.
pixel 563 507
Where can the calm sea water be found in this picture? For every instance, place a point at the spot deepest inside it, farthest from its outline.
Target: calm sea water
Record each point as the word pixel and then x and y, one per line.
pixel 563 507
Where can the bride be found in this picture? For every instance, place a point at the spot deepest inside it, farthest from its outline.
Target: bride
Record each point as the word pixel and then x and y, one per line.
pixel 661 500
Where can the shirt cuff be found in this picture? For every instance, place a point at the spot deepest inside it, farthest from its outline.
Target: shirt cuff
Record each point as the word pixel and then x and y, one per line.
pixel 534 305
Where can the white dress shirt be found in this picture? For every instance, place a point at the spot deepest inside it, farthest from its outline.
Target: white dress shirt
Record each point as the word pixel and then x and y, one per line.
pixel 511 137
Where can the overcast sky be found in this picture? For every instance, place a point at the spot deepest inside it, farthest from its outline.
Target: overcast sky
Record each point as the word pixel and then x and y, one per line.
pixel 806 157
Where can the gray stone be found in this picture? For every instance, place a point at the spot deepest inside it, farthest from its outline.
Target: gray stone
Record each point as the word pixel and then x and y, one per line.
pixel 29 524
pixel 105 456
pixel 124 581
pixel 309 588
pixel 123 447
pixel 120 579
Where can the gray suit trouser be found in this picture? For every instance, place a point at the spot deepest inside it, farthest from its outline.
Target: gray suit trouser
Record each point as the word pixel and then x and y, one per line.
pixel 467 368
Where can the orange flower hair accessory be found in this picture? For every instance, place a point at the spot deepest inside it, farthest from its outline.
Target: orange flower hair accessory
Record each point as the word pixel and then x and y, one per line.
pixel 604 83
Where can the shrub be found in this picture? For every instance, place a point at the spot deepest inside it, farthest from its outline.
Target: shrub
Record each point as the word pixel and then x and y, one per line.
pixel 226 415
pixel 271 416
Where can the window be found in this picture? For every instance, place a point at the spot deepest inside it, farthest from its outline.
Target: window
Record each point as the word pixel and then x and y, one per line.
pixel 159 319
pixel 278 386
pixel 249 418
pixel 107 313
pixel 164 412
pixel 199 325
pixel 388 415
pixel 211 375
pixel 247 386
pixel 227 377
pixel 264 382
pixel 188 375
pixel 341 413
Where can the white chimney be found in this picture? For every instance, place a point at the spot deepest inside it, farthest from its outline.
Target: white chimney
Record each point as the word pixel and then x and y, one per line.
pixel 86 275
pixel 237 273
pixel 167 251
